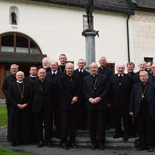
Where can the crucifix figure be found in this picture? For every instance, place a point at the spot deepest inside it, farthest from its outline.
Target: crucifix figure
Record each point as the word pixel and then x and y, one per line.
pixel 89 12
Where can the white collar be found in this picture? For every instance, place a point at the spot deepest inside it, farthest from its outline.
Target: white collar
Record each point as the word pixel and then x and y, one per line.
pixel 32 76
pixel 120 75
pixel 81 70
pixel 54 72
pixel 19 81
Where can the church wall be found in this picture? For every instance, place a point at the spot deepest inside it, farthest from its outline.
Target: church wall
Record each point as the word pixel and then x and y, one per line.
pixel 58 30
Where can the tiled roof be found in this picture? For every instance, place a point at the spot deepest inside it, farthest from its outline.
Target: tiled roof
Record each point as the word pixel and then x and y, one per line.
pixel 11 57
pixel 122 6
pixel 145 4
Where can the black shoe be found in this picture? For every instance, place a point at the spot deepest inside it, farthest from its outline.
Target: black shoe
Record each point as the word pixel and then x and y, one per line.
pixel 101 147
pixel 40 144
pixel 49 144
pixel 125 138
pixel 13 144
pixel 150 149
pixel 64 146
pixel 93 146
pixel 117 135
pixel 73 145
pixel 141 148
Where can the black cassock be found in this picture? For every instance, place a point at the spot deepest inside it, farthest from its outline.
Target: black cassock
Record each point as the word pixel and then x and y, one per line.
pixel 20 93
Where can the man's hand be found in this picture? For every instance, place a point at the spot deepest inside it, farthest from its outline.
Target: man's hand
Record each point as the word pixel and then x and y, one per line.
pixel 131 113
pixel 92 101
pixel 97 99
pixel 74 99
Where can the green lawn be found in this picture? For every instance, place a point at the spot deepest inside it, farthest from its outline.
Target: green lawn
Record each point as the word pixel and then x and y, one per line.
pixel 3 115
pixel 4 151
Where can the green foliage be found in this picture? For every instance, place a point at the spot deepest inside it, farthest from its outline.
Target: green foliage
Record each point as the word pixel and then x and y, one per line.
pixel 4 151
pixel 3 115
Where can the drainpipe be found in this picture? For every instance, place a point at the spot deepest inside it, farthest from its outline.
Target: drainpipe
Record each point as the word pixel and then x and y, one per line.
pixel 128 39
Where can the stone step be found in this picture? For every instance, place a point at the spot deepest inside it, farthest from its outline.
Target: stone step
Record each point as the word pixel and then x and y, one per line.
pixel 85 133
pixel 109 143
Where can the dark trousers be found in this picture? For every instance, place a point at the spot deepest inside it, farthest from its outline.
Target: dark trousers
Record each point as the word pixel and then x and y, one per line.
pixel 97 125
pixel 57 116
pixel 118 115
pixel 145 129
pixel 43 121
pixel 68 125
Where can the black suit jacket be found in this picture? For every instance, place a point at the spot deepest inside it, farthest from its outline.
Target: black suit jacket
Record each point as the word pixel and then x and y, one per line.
pixel 120 94
pixel 100 91
pixel 42 98
pixel 136 96
pixel 68 91
pixel 7 82
pixel 15 94
pixel 105 71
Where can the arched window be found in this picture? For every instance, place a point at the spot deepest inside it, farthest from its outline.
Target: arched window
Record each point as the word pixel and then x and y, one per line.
pixel 18 42
pixel 14 15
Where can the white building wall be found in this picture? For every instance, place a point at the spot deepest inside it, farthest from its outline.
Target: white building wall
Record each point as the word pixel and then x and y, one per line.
pixel 58 30
pixel 143 36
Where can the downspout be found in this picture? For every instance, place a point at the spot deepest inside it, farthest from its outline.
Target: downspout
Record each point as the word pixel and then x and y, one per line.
pixel 128 39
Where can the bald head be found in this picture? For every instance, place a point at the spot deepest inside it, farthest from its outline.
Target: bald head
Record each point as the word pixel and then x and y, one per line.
pixel 142 65
pixel 81 63
pixel 20 76
pixel 103 62
pixel 93 68
pixel 69 68
pixel 120 68
pixel 54 65
pixel 41 73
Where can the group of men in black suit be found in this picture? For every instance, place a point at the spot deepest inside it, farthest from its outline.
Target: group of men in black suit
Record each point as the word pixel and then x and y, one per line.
pixel 70 97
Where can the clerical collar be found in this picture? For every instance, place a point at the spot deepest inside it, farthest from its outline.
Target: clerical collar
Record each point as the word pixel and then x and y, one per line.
pixel 120 75
pixel 19 81
pixel 102 67
pixel 81 70
pixel 41 80
pixel 32 76
pixel 144 84
pixel 54 72
pixel 69 75
pixel 94 75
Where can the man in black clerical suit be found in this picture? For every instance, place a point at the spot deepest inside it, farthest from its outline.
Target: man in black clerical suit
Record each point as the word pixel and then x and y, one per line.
pixel 53 77
pixel 42 108
pixel 142 67
pixel 103 69
pixel 142 106
pixel 81 73
pixel 5 88
pixel 30 80
pixel 95 87
pixel 69 88
pixel 46 64
pixel 20 99
pixel 152 75
pixel 130 71
pixel 120 90
pixel 63 61
pixel 33 75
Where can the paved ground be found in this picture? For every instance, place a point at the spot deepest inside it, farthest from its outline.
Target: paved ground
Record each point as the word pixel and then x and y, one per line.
pixel 56 150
